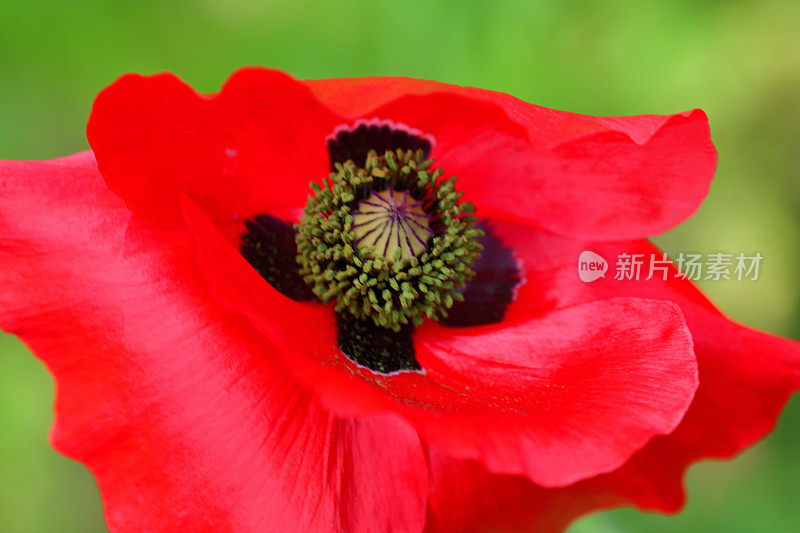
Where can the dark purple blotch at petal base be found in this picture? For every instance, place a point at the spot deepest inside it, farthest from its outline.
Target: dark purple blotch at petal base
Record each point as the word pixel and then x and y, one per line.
pixel 487 295
pixel 354 142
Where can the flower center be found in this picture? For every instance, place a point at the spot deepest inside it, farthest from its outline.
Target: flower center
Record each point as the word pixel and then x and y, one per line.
pixel 389 243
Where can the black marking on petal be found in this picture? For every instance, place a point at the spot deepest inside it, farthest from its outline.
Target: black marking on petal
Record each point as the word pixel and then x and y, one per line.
pixel 269 246
pixel 487 295
pixel 380 349
pixel 353 142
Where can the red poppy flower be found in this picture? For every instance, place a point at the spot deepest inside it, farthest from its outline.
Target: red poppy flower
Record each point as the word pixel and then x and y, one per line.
pixel 207 388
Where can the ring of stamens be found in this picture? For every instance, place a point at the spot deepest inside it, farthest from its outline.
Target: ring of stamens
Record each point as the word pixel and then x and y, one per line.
pixel 390 242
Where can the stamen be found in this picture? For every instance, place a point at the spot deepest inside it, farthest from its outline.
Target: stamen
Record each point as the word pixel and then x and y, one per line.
pixel 389 241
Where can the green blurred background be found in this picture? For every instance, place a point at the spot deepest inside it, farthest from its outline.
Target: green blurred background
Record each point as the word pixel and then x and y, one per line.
pixel 739 61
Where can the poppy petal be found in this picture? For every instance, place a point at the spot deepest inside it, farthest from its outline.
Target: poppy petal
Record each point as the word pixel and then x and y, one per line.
pixel 546 128
pixel 752 374
pixel 751 381
pixel 183 412
pixel 604 178
pixel 612 374
pixel 466 497
pixel 562 396
pixel 250 149
pixel 253 148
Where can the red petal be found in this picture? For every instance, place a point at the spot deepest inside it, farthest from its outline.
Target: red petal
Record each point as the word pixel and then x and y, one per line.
pixel 254 147
pixel 736 404
pixel 611 374
pixel 745 379
pixel 582 176
pixel 746 376
pixel 465 497
pixel 250 149
pixel 564 396
pixel 547 128
pixel 182 411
